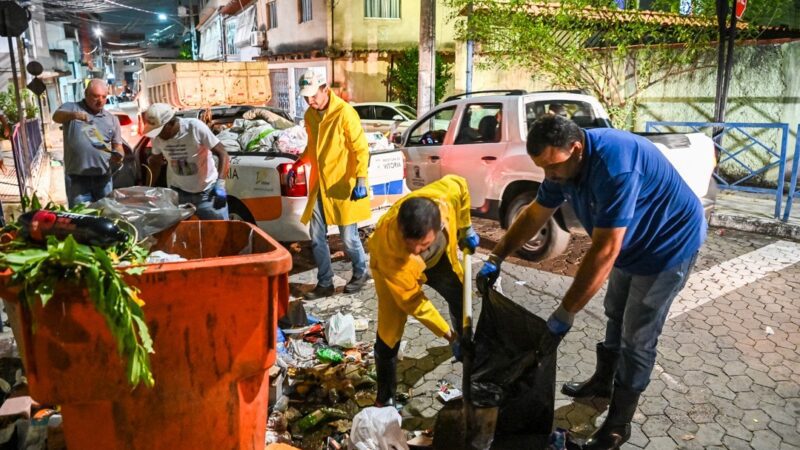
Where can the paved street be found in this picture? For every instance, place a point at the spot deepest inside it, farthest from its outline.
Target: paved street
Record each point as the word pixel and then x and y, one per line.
pixel 728 369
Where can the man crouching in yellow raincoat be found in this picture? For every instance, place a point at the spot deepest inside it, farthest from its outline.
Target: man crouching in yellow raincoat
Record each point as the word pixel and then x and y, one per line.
pixel 413 244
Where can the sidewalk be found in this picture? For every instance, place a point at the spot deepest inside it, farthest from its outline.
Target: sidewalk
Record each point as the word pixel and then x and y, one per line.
pixel 754 213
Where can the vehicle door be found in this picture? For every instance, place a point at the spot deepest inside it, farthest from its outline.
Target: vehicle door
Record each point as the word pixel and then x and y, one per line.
pixel 367 117
pixel 424 143
pixel 479 145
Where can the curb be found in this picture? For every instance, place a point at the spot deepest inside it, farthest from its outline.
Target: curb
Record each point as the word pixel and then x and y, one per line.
pixel 770 227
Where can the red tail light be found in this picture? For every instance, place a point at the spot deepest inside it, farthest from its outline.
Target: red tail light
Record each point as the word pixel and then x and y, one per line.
pixel 295 184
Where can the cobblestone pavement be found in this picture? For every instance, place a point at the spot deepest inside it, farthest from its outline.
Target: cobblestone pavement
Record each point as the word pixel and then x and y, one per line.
pixel 728 368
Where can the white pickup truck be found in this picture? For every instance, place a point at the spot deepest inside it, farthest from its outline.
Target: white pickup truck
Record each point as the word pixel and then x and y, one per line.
pixel 482 138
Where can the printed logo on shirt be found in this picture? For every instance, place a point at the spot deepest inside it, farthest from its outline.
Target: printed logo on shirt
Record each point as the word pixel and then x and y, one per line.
pixel 96 138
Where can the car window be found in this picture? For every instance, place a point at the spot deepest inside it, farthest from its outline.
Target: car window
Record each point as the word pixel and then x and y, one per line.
pixel 581 113
pixel 409 112
pixel 364 112
pixel 432 129
pixel 480 124
pixel 385 112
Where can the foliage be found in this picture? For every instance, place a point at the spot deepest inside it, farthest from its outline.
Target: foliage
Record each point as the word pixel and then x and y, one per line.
pixel 41 271
pixel 764 13
pixel 404 77
pixel 616 61
pixel 185 51
pixel 8 104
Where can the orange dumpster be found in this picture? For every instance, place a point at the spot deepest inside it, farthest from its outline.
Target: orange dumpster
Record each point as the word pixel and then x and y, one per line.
pixel 213 321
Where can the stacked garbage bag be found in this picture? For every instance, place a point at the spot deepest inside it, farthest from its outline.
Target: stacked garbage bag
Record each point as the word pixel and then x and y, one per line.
pixel 260 130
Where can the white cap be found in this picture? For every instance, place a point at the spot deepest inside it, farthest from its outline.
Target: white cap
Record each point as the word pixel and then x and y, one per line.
pixel 310 83
pixel 156 116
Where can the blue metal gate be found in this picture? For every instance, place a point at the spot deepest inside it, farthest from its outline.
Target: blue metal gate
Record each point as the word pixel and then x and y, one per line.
pixel 745 133
pixel 793 190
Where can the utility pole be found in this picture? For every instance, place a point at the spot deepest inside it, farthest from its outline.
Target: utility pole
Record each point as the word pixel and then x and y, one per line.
pixel 470 49
pixel 426 81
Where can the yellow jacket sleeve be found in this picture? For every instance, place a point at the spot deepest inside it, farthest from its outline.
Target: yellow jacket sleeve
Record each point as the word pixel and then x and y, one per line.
pixel 406 292
pixel 357 142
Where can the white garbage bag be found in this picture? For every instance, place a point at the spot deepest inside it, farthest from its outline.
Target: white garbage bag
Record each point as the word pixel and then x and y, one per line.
pixel 378 429
pixel 257 138
pixel 341 330
pixel 230 141
pixel 292 140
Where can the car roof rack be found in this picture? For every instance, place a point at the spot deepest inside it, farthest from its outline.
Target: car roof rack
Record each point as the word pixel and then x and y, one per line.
pixel 565 91
pixel 490 91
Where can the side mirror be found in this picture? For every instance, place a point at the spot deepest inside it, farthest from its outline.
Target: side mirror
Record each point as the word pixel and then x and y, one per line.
pixel 398 118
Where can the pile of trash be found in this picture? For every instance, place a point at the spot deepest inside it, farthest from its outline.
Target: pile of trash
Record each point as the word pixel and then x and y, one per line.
pixel 260 130
pixel 322 378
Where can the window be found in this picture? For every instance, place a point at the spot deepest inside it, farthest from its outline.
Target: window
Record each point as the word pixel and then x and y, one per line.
pixel 481 124
pixel 364 112
pixel 579 112
pixel 305 10
pixel 272 15
pixel 230 37
pixel 386 113
pixel 382 9
pixel 409 112
pixel 432 129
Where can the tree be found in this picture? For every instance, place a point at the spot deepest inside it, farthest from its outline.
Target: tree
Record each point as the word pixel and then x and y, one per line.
pixel 402 77
pixel 591 44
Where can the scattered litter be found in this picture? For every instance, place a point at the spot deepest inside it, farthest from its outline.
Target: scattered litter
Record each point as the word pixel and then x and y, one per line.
pixel 520 282
pixel 401 351
pixel 362 324
pixel 687 437
pixel 341 330
pixel 447 392
pixel 770 331
pixel 422 439
pixel 378 428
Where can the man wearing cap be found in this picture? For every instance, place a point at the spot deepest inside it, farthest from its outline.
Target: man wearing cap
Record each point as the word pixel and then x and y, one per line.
pixel 338 154
pixel 189 147
pixel 92 143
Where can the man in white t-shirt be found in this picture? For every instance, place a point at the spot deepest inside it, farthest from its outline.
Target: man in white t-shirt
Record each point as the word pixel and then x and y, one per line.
pixel 189 147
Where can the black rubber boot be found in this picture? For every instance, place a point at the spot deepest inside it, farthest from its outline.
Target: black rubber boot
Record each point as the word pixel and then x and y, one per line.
pixel 600 384
pixel 616 429
pixel 386 371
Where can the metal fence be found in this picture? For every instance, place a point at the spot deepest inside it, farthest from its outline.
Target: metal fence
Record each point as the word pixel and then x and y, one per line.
pixel 733 142
pixel 26 155
pixel 793 190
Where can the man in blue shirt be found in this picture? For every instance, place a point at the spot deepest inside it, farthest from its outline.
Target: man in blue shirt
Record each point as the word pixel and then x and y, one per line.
pixel 646 226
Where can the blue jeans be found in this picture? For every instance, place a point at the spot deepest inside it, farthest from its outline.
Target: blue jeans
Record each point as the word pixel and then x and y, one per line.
pixel 637 307
pixel 204 204
pixel 322 252
pixel 86 188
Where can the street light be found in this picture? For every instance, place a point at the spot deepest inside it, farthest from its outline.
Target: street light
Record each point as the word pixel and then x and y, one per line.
pixel 162 17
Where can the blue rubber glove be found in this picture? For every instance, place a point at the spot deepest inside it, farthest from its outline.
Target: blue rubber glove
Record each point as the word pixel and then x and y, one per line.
pixel 360 190
pixel 488 274
pixel 560 321
pixel 468 240
pixel 219 195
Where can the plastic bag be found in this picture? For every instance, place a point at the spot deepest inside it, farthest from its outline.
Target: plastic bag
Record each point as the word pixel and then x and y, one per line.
pixel 378 429
pixel 292 140
pixel 148 209
pixel 230 141
pixel 341 330
pixel 255 138
pixel 377 141
pixel 275 120
pixel 514 368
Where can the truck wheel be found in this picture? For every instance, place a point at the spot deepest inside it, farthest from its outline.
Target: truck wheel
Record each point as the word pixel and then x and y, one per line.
pixel 238 211
pixel 551 240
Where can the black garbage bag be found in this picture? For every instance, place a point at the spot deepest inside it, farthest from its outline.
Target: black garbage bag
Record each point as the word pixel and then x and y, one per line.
pixel 515 369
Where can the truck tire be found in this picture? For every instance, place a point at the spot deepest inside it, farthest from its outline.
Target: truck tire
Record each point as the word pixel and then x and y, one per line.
pixel 238 211
pixel 551 240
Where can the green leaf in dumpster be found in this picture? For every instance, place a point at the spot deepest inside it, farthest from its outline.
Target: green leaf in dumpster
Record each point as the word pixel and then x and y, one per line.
pixel 41 272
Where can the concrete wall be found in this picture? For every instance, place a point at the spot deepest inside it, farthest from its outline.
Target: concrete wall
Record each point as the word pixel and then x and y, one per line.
pixel 291 36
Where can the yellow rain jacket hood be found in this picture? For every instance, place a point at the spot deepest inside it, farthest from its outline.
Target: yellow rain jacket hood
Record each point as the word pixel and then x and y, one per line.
pixel 399 275
pixel 338 153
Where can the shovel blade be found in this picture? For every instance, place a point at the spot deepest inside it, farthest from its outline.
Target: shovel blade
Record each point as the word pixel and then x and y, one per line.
pixel 454 430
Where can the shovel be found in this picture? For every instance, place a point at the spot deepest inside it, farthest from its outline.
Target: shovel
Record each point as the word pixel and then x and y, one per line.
pixel 461 424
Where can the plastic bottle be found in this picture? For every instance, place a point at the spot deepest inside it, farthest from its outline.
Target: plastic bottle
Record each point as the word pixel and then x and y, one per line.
pixel 329 355
pixel 90 230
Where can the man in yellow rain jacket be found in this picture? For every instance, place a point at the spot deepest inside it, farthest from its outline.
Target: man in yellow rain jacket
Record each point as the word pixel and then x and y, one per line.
pixel 415 243
pixel 338 153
